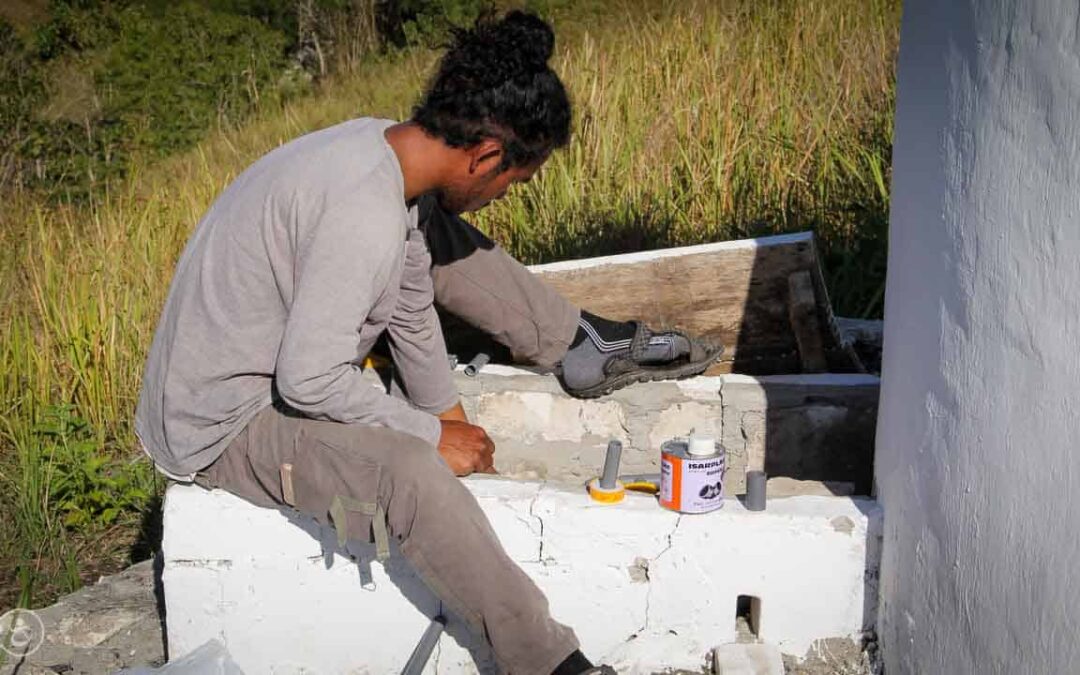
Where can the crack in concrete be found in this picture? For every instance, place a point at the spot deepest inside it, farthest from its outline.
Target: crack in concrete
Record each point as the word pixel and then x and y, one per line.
pixel 210 563
pixel 621 417
pixel 648 576
pixel 723 411
pixel 532 513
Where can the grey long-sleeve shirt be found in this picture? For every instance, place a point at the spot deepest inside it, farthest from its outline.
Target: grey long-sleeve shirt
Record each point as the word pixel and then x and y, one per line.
pixel 287 281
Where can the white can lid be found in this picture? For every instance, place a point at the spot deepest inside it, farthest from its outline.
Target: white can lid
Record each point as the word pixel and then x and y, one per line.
pixel 701 445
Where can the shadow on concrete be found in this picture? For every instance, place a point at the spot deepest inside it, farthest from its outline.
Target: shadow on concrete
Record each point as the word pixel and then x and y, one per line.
pixel 767 348
pixel 148 545
pixel 403 576
pixel 872 564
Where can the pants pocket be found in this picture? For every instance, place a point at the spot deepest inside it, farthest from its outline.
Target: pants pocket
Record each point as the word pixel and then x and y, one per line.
pixel 339 489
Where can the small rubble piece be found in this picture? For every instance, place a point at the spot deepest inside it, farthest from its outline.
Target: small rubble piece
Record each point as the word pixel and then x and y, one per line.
pixel 838 656
pixel 747 659
pixel 865 337
pixel 98 629
pixel 210 658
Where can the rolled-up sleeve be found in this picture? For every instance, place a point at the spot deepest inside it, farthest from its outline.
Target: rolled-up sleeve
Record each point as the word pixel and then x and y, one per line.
pixel 341 270
pixel 416 339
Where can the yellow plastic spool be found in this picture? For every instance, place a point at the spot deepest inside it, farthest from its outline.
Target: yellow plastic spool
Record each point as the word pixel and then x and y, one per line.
pixel 648 487
pixel 605 496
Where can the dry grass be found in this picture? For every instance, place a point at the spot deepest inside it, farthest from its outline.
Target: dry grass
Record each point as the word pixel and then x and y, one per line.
pixel 695 122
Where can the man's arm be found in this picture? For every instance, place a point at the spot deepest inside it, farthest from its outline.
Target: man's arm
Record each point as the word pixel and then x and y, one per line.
pixel 454 414
pixel 419 351
pixel 342 267
pixel 415 334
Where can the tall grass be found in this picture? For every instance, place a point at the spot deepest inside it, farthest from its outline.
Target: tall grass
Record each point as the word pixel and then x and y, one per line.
pixel 713 120
pixel 695 121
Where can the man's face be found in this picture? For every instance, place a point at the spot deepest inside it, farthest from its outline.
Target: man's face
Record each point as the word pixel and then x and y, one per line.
pixel 473 191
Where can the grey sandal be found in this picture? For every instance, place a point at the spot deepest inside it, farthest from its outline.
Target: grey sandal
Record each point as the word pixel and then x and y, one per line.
pixel 627 367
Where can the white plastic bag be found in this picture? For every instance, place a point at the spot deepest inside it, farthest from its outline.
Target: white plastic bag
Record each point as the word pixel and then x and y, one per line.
pixel 210 658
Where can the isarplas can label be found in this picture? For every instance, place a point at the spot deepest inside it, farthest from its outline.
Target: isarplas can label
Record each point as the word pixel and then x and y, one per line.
pixel 689 483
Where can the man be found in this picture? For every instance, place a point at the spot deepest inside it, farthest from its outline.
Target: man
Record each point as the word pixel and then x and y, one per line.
pixel 252 383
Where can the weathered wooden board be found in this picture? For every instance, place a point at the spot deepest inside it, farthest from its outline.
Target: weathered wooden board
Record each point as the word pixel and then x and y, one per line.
pixel 803 314
pixel 736 292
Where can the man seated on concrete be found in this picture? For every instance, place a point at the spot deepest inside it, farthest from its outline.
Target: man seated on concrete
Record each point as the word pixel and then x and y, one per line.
pixel 252 382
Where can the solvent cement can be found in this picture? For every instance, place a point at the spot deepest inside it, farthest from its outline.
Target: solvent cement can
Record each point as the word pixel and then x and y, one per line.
pixel 692 482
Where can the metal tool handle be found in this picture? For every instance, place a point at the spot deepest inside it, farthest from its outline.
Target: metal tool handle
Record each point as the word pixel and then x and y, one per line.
pixel 422 652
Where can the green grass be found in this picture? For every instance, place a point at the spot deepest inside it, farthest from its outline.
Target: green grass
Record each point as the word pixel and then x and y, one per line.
pixel 694 122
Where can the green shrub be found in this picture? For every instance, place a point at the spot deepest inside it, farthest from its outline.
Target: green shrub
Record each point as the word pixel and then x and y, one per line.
pixel 159 79
pixel 416 22
pixel 86 486
pixel 102 82
pixel 170 77
pixel 21 92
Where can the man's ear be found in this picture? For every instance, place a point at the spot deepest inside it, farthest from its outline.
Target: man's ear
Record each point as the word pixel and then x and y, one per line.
pixel 485 156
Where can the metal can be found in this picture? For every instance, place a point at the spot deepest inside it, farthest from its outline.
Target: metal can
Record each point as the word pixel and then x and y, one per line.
pixel 692 481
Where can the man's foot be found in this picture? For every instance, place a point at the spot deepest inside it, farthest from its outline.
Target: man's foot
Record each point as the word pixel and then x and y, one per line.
pixel 607 355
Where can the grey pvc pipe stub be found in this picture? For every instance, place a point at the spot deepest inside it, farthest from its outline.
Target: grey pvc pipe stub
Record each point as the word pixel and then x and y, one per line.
pixel 478 362
pixel 610 475
pixel 755 490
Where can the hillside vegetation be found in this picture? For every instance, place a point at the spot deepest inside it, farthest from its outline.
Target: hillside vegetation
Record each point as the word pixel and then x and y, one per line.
pixel 694 121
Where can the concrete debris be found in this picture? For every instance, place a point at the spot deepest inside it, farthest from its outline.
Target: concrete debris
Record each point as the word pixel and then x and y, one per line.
pixel 747 659
pixel 210 658
pixel 116 623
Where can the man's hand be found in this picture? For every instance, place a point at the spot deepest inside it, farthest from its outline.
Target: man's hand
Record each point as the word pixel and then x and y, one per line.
pixel 466 448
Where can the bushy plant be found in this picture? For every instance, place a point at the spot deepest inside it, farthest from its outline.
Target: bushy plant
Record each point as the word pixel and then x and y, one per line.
pixel 415 22
pixel 86 486
pixel 159 80
pixel 21 92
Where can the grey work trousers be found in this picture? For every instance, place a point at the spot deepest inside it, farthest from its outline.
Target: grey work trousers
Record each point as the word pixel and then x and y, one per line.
pixel 369 481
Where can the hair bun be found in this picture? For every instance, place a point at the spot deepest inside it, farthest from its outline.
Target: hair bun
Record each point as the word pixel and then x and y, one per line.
pixel 497 51
pixel 529 35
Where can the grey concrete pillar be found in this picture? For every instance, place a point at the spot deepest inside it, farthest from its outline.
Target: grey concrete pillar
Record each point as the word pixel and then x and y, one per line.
pixel 978 445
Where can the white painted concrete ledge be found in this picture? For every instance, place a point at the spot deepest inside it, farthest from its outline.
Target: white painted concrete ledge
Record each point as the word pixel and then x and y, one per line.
pixel 644 588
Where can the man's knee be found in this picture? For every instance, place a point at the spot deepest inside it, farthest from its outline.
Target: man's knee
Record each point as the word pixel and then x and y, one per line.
pixel 417 463
pixel 417 485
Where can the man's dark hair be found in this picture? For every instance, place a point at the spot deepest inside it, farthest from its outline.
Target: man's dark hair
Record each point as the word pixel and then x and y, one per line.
pixel 494 82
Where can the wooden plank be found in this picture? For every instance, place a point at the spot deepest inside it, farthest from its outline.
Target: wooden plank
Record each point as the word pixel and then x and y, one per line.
pixel 734 292
pixel 802 311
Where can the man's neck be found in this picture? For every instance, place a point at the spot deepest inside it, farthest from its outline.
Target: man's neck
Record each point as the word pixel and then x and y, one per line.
pixel 423 159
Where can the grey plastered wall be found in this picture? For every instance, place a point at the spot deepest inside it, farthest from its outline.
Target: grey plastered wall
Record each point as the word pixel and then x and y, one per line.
pixel 977 462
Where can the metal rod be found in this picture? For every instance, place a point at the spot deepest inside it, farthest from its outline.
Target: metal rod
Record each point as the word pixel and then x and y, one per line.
pixel 478 362
pixel 422 652
pixel 611 465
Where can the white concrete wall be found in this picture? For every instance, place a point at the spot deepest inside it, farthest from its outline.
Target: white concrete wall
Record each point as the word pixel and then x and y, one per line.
pixel 816 426
pixel 977 450
pixel 643 587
